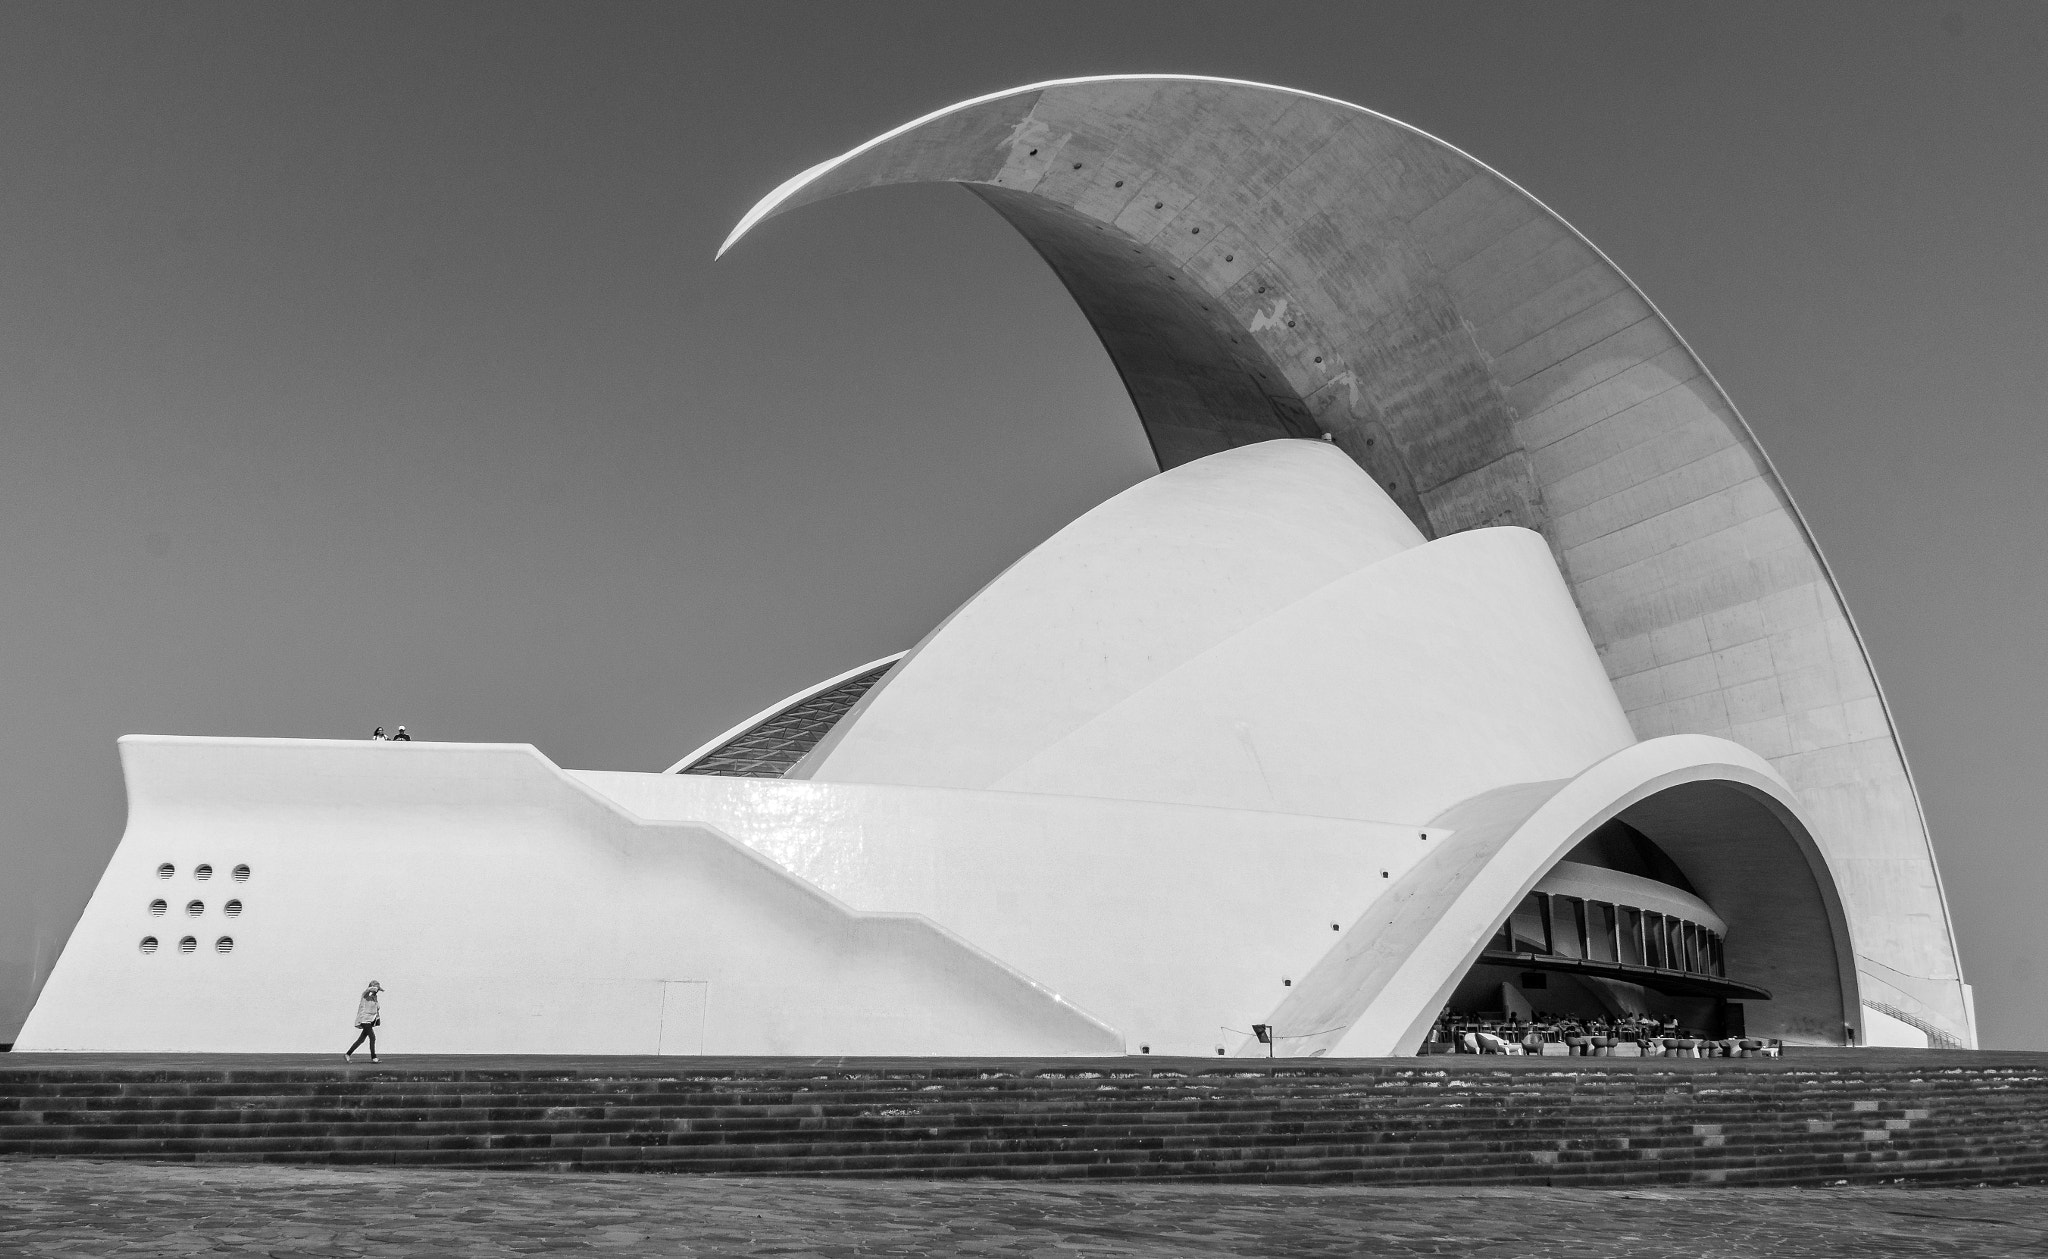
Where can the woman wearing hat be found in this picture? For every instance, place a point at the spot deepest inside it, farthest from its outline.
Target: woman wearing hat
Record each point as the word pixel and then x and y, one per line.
pixel 367 1018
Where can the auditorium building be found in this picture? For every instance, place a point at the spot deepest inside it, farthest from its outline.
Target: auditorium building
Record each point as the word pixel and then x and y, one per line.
pixel 1467 651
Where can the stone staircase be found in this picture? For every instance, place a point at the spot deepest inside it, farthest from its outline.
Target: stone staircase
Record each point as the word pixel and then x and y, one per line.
pixel 1811 1118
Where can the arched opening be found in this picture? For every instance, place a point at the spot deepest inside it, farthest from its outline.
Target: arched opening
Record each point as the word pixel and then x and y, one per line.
pixel 1701 910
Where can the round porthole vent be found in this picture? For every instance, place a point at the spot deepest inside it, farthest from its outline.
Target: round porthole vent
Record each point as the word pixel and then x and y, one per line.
pixel 241 874
pixel 202 873
pixel 226 944
pixel 157 908
pixel 187 944
pixel 148 944
pixel 166 870
pixel 194 908
pixel 232 909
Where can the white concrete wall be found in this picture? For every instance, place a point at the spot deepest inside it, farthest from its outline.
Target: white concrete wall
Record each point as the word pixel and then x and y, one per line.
pixel 1882 1031
pixel 507 908
pixel 1169 922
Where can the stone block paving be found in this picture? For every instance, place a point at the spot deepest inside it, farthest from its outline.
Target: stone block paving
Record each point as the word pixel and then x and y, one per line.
pixel 55 1207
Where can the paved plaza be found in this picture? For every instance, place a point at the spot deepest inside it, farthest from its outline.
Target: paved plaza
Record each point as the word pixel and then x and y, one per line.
pixel 76 1208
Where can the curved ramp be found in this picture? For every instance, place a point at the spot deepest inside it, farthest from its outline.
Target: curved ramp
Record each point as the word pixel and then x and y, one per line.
pixel 1266 263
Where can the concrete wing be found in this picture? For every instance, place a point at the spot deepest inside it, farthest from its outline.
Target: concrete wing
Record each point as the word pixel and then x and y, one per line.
pixel 1264 263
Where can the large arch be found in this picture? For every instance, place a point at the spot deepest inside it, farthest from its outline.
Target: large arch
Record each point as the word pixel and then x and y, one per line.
pixel 1262 263
pixel 1715 806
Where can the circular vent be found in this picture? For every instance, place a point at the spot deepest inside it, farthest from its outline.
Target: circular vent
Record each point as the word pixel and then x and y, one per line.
pixel 194 908
pixel 232 909
pixel 241 874
pixel 187 944
pixel 166 870
pixel 157 908
pixel 226 944
pixel 148 944
pixel 202 873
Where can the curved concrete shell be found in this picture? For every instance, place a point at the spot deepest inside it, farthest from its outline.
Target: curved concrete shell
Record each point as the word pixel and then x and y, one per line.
pixel 1265 263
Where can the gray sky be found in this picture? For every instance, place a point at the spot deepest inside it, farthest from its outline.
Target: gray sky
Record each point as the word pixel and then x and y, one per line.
pixel 367 363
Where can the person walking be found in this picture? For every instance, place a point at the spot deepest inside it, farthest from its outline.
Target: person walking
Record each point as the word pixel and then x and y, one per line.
pixel 368 1016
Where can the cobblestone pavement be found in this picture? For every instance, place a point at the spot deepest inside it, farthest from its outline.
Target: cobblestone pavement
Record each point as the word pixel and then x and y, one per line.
pixel 62 1208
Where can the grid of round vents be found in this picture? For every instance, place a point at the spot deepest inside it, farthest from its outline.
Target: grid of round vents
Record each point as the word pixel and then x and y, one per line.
pixel 194 909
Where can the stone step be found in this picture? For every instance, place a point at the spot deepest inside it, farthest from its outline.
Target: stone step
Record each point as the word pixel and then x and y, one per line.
pixel 607 1144
pixel 1412 1096
pixel 1635 1126
pixel 1588 1121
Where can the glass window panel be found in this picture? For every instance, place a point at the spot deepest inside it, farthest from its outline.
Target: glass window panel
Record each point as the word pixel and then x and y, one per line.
pixel 1632 936
pixel 1653 940
pixel 1503 939
pixel 1600 931
pixel 1693 960
pixel 1530 928
pixel 1566 914
pixel 1717 963
pixel 1674 943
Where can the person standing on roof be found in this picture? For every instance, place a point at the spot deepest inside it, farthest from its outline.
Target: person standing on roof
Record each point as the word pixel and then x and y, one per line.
pixel 402 736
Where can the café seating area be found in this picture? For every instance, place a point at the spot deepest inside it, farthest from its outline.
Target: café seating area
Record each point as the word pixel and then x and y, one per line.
pixel 1597 1038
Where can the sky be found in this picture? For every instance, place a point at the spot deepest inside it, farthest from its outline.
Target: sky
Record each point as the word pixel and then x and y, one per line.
pixel 364 364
